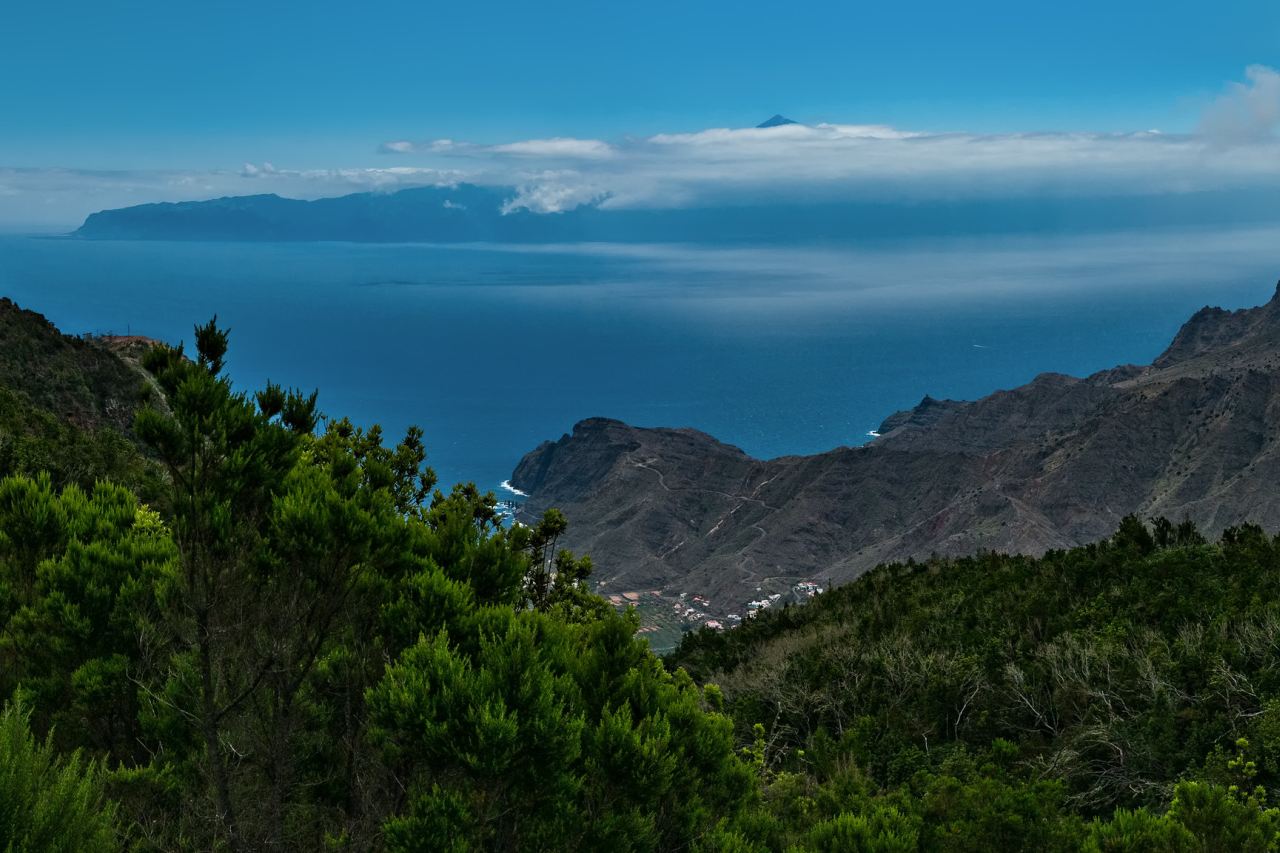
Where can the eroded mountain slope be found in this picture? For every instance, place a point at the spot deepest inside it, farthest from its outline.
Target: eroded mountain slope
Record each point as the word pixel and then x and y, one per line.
pixel 1055 463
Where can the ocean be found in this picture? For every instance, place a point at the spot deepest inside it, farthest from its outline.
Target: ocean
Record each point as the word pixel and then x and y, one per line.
pixel 779 350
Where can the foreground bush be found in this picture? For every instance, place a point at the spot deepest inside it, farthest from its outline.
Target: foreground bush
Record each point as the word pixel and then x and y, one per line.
pixel 47 802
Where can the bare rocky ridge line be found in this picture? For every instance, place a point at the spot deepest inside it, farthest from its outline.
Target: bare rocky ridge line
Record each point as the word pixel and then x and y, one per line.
pixel 1052 464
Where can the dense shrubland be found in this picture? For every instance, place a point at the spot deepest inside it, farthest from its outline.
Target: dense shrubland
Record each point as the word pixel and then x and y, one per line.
pixel 292 640
pixel 67 406
pixel 1098 692
pixel 301 644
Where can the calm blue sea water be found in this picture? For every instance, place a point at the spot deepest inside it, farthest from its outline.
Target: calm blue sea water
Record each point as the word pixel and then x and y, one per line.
pixel 494 349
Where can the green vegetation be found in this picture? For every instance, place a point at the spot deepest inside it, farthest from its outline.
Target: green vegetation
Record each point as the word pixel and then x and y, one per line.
pixel 1122 690
pixel 48 802
pixel 67 406
pixel 300 644
pixel 285 637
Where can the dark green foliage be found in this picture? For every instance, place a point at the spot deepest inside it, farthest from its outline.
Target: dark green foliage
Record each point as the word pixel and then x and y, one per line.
pixel 290 640
pixel 33 440
pixel 284 543
pixel 1113 670
pixel 66 406
pixel 76 379
pixel 880 829
pixel 78 575
pixel 1140 831
pixel 303 646
pixel 536 734
pixel 49 803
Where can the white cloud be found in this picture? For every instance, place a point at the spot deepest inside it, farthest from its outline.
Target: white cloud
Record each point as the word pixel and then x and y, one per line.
pixel 558 147
pixel 313 183
pixel 876 161
pixel 588 149
pixel 555 193
pixel 1245 112
pixel 784 133
pixel 1234 147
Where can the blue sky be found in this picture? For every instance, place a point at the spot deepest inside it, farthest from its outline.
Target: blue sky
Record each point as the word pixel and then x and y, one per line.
pixel 191 90
pixel 179 84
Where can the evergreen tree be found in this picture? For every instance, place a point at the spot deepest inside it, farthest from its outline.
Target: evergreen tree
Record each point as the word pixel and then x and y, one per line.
pixel 49 803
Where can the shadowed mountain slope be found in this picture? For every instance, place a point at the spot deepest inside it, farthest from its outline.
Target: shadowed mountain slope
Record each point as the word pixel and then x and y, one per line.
pixel 1055 463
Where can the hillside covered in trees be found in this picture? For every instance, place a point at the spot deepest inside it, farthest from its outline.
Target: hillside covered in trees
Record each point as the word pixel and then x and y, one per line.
pixel 1006 702
pixel 255 628
pixel 67 404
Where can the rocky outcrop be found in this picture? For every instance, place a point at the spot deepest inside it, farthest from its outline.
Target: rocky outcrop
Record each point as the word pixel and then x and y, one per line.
pixel 1055 463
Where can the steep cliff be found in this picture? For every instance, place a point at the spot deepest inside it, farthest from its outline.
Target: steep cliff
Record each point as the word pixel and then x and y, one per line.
pixel 1055 463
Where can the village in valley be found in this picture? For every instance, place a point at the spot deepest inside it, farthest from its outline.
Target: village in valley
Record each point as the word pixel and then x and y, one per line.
pixel 667 616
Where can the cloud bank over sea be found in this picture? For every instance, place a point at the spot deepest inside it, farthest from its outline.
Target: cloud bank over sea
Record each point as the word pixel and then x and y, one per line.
pixel 1233 147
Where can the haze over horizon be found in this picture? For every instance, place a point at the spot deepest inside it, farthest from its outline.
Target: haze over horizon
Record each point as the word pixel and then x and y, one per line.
pixel 133 106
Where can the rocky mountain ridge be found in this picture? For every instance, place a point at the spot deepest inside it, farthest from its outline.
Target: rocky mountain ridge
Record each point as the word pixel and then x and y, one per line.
pixel 1052 464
